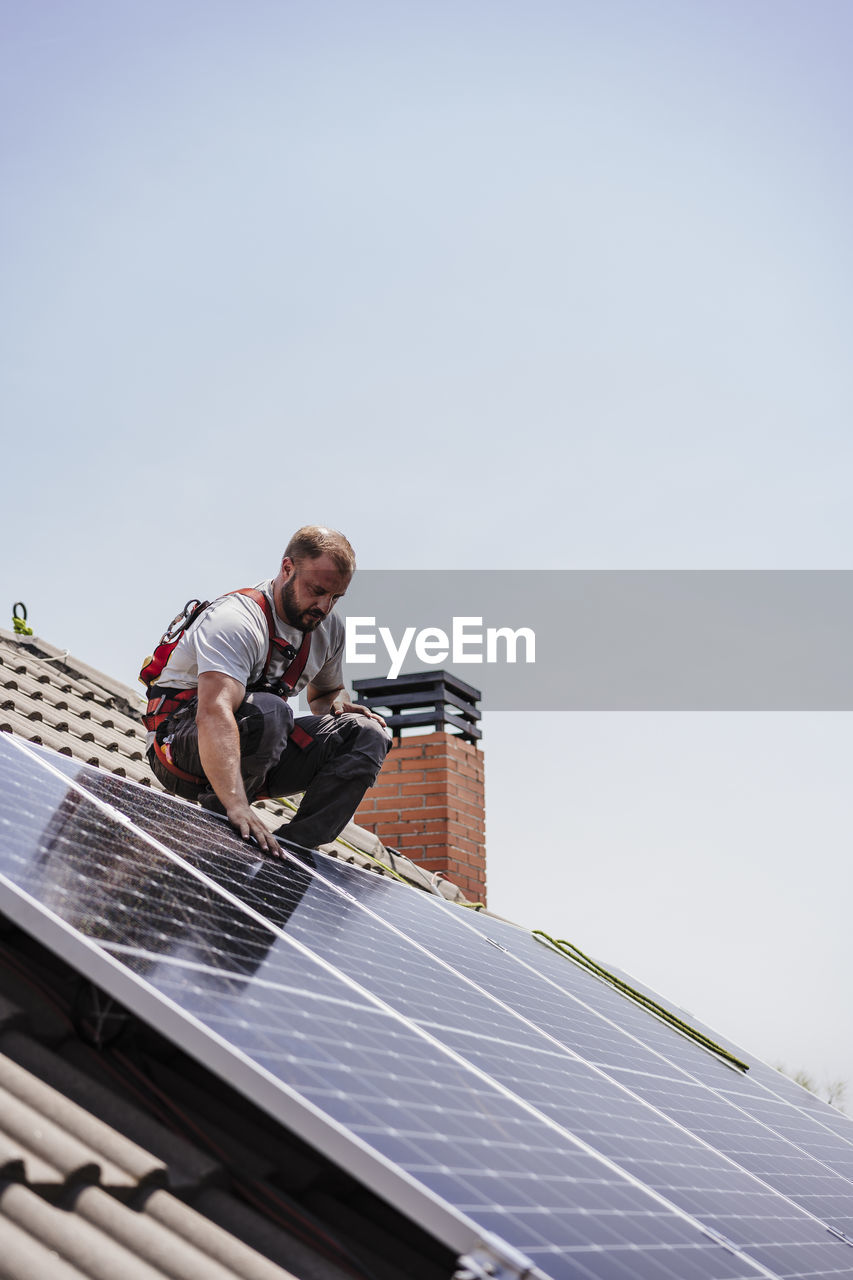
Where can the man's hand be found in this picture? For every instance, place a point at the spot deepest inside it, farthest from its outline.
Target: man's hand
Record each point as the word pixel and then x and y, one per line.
pixel 247 823
pixel 336 702
pixel 356 708
pixel 219 749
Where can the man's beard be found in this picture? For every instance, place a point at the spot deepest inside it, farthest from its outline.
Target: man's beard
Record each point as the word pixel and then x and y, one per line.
pixel 306 621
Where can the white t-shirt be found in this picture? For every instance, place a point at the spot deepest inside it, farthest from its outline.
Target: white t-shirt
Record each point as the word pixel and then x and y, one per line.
pixel 232 636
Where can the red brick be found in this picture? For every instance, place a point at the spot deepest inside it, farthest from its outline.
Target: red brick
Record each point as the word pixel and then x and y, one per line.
pixel 469 867
pixel 429 819
pixel 475 812
pixel 382 789
pixel 476 834
pixel 407 777
pixel 423 840
pixel 464 849
pixel 416 779
pixel 466 811
pixel 467 791
pixel 389 802
pixel 405 753
pixel 422 788
pixel 461 770
pixel 418 817
pixel 473 818
pixel 437 807
pixel 411 839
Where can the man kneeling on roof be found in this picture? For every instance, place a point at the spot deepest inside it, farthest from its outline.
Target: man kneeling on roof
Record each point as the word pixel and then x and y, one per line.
pixel 221 730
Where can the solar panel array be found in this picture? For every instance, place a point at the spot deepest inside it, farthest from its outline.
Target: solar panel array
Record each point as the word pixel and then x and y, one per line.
pixel 486 1085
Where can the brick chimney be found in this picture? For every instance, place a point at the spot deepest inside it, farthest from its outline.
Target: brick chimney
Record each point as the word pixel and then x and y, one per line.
pixel 428 801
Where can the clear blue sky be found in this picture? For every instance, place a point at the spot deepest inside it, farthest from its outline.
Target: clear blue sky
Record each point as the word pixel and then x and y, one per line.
pixel 486 285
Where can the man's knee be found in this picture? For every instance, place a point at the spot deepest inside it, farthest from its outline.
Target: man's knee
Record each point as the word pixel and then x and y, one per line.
pixel 373 739
pixel 265 721
pixel 367 744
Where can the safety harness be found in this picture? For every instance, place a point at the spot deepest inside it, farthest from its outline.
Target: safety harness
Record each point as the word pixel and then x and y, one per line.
pixel 163 701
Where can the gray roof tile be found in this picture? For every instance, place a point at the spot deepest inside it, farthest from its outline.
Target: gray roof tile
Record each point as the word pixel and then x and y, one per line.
pixel 24 1255
pixel 121 1162
pixel 146 1237
pixel 214 1241
pixel 279 1247
pixel 82 1077
pixel 74 1242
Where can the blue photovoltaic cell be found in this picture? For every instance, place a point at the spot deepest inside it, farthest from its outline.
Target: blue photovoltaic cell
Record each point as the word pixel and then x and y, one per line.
pixel 487 1153
pixel 574 1064
pixel 823 1120
pixel 752 1107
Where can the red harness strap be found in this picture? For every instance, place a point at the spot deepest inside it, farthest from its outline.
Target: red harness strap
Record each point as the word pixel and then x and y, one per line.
pixel 164 701
pixel 293 671
pixel 300 737
pixel 161 706
pixel 164 755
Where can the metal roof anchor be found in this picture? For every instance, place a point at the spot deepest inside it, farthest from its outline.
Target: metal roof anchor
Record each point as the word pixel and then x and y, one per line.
pixel 19 622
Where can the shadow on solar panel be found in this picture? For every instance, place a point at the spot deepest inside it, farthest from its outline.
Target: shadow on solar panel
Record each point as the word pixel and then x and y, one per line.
pixel 528 1114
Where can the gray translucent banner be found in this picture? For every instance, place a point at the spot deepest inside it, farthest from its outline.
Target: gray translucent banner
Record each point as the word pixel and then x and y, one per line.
pixel 613 640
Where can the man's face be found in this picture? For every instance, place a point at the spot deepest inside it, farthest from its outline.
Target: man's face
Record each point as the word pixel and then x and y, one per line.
pixel 310 591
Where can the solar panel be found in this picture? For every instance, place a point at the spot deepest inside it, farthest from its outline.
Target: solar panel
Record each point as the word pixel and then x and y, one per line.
pixel 741 1117
pixel 493 1094
pixel 779 1086
pixel 762 1119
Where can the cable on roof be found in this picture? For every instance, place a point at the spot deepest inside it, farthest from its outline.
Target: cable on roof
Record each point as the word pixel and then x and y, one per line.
pixel 57 657
pixel 572 952
pixel 19 623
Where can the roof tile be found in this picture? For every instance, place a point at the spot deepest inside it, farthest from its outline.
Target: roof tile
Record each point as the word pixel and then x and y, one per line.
pixel 122 1162
pixel 24 1254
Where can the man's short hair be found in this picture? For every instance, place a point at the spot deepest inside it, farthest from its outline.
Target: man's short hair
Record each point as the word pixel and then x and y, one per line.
pixel 314 540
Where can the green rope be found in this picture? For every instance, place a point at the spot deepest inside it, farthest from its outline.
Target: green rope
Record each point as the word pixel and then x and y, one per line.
pixel 475 906
pixel 572 952
pixel 391 871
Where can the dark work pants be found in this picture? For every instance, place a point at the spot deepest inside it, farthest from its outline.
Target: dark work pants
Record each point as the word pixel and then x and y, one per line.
pixel 334 770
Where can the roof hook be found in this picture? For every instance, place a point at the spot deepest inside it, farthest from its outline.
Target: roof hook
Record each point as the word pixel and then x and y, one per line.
pixel 19 622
